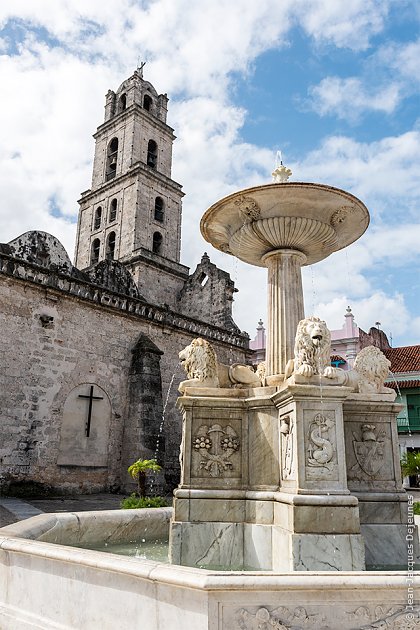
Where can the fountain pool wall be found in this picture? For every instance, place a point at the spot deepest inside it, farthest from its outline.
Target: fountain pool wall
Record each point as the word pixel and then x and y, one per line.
pixel 46 584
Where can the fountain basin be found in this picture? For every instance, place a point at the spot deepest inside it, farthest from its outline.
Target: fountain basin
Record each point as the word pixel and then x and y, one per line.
pixel 46 584
pixel 313 219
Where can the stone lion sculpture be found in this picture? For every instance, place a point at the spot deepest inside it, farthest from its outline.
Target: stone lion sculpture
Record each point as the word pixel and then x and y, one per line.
pixel 371 368
pixel 200 362
pixel 312 350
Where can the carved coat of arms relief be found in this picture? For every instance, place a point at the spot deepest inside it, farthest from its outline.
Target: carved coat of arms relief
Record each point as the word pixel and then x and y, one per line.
pixel 369 449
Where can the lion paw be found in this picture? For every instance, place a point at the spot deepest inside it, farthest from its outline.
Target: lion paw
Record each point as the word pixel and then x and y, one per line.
pixel 305 370
pixel 330 372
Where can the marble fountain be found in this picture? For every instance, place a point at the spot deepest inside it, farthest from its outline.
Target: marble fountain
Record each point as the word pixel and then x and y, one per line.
pixel 290 485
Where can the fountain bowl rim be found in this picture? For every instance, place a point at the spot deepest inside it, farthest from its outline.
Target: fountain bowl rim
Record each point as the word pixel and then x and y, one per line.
pixel 218 235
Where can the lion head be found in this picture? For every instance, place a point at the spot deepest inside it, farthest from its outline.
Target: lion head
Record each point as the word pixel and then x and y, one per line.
pixel 373 367
pixel 199 360
pixel 312 346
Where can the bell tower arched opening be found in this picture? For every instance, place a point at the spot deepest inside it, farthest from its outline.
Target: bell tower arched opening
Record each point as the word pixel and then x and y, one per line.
pixel 110 246
pixel 147 102
pixel 159 209
pixel 157 243
pixel 96 247
pixel 152 154
pixel 112 156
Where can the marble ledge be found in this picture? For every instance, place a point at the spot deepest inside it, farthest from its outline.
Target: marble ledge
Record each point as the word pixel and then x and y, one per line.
pixel 388 397
pixel 382 496
pixel 91 526
pixel 316 499
pixel 228 392
pixel 291 389
pixel 205 579
pixel 268 495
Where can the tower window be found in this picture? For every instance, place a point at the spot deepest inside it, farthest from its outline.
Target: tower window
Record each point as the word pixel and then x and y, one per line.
pixel 113 210
pixel 152 154
pixel 111 159
pixel 110 246
pixel 159 209
pixel 96 245
pixel 147 102
pixel 157 242
pixel 122 105
pixel 98 218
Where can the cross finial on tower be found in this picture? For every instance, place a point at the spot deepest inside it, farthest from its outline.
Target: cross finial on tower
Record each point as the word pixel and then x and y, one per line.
pixel 140 66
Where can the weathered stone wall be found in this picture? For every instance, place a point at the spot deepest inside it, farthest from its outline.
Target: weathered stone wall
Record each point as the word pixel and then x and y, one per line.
pixel 60 332
pixel 208 295
pixel 159 280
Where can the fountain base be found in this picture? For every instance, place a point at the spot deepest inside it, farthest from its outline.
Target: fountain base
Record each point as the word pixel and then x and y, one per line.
pixel 287 479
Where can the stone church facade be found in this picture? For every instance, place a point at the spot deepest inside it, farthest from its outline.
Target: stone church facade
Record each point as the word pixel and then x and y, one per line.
pixel 89 351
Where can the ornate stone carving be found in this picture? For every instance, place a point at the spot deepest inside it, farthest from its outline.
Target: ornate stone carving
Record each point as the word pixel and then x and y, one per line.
pixel 286 433
pixel 281 618
pixel 320 449
pixel 393 618
pixel 372 366
pixel 362 618
pixel 281 174
pixel 312 350
pixel 261 371
pixel 340 215
pixel 248 207
pixel 369 449
pixel 216 445
pixel 199 360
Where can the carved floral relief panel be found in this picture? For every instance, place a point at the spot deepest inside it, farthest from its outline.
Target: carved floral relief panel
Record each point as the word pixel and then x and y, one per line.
pixel 344 616
pixel 216 448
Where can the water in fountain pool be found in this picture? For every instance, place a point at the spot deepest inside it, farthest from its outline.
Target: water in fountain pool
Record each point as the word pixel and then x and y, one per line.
pixel 158 550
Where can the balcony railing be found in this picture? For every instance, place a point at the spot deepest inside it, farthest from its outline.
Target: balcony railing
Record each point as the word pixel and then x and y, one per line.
pixel 408 425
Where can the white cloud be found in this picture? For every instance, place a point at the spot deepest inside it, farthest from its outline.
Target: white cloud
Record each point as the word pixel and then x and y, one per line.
pixel 387 77
pixel 385 174
pixel 402 61
pixel 344 24
pixel 349 98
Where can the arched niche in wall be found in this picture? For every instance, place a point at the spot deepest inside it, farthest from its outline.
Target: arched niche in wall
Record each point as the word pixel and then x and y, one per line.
pixel 85 427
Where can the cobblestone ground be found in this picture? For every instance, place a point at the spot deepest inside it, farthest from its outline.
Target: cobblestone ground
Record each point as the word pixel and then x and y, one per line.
pixel 80 503
pixel 6 518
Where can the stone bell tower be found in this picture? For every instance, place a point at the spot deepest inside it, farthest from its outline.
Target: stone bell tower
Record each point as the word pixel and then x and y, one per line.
pixel 132 213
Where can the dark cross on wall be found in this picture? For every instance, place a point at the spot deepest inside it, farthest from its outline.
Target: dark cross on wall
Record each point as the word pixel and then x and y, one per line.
pixel 90 398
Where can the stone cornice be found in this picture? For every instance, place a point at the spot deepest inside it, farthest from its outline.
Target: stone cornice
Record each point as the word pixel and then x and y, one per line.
pixel 138 167
pixel 135 108
pixel 69 286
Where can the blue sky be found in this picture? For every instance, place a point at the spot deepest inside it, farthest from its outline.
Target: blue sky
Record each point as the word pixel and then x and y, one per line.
pixel 334 85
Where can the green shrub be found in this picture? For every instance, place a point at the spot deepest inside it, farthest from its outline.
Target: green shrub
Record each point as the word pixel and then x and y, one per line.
pixel 139 471
pixel 416 507
pixel 410 464
pixel 133 502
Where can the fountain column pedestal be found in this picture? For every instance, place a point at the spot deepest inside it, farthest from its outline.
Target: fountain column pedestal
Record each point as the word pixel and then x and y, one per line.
pixel 285 307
